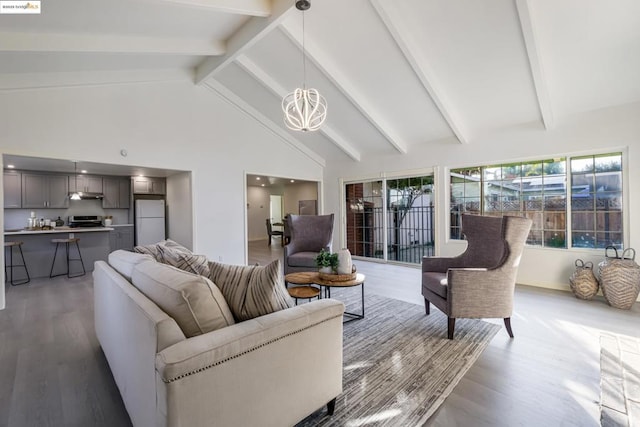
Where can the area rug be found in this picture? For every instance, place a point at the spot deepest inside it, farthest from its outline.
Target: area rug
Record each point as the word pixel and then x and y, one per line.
pixel 619 380
pixel 398 364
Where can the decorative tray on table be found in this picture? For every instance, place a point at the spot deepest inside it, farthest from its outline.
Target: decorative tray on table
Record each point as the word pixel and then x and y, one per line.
pixel 331 277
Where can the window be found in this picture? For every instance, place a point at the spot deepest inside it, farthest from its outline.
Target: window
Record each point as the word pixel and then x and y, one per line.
pixel 596 201
pixel 538 190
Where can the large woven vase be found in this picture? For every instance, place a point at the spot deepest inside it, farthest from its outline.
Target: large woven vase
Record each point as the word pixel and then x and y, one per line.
pixel 620 280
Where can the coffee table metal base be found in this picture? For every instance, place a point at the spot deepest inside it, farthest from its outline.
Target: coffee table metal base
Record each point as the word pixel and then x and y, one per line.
pixel 353 316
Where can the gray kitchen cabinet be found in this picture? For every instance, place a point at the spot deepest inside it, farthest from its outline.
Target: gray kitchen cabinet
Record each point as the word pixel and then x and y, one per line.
pixel 85 183
pixel 121 238
pixel 147 185
pixel 12 183
pixel 116 193
pixel 45 191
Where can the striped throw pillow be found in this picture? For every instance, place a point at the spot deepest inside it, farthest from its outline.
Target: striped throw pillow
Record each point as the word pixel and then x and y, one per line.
pixel 154 249
pixel 186 261
pixel 251 291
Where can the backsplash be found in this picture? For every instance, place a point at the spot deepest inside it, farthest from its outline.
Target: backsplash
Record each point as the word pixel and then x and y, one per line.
pixel 17 218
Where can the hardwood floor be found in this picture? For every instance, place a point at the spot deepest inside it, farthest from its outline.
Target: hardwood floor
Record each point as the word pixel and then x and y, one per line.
pixel 52 371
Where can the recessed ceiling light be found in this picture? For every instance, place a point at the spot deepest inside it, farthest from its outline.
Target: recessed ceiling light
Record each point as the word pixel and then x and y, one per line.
pixel 262 185
pixel 293 180
pixel 83 171
pixel 10 166
pixel 257 178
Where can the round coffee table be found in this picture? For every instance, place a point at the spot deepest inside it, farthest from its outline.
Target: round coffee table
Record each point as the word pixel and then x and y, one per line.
pixel 304 291
pixel 313 278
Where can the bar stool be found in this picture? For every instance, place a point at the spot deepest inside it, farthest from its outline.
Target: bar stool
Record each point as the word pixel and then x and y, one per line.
pixel 11 265
pixel 66 242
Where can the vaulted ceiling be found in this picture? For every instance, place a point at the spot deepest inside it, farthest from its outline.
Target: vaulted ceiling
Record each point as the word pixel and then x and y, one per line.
pixel 396 74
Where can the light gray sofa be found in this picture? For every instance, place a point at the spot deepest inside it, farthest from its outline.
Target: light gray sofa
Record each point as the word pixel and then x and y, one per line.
pixel 269 371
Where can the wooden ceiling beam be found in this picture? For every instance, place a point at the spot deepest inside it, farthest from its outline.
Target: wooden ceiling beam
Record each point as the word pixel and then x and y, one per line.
pixel 327 66
pixel 246 37
pixel 260 8
pixel 420 67
pixel 538 74
pixel 92 43
pixel 278 90
pixel 233 99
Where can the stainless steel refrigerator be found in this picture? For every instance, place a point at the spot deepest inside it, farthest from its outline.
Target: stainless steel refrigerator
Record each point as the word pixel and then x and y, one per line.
pixel 150 223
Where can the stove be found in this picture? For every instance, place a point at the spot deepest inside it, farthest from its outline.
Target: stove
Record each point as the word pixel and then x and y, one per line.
pixel 76 221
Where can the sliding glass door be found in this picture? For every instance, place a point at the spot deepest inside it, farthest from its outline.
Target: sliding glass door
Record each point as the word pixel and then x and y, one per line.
pixel 391 219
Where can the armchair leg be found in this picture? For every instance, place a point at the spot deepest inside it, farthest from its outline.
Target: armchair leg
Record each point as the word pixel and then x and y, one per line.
pixel 451 327
pixel 331 406
pixel 507 324
pixel 426 306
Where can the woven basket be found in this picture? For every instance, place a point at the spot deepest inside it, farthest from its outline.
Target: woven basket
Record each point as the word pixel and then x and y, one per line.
pixel 338 277
pixel 582 281
pixel 620 279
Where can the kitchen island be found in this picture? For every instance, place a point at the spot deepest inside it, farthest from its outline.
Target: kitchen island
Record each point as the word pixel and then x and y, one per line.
pixel 39 250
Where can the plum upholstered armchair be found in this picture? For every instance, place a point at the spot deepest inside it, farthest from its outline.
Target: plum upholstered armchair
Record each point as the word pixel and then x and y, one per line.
pixel 309 234
pixel 480 282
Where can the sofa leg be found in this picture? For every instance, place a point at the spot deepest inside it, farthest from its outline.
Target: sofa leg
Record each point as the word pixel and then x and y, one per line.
pixel 507 324
pixel 451 325
pixel 331 406
pixel 426 306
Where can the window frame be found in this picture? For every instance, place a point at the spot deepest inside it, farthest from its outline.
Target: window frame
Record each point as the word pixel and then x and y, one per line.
pixel 625 215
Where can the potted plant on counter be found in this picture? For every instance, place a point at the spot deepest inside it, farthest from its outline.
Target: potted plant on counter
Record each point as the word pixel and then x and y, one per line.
pixel 327 262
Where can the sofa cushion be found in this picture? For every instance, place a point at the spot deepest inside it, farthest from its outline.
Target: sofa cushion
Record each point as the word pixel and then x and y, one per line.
pixel 195 303
pixel 187 261
pixel 435 282
pixel 251 291
pixel 124 261
pixel 303 259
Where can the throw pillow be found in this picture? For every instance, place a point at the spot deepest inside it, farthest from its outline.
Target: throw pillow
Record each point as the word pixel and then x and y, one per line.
pixel 154 249
pixel 195 303
pixel 148 250
pixel 186 261
pixel 251 291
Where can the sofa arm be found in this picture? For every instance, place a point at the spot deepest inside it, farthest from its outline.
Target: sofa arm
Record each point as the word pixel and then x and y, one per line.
pixel 480 293
pixel 440 264
pixel 270 371
pixel 208 350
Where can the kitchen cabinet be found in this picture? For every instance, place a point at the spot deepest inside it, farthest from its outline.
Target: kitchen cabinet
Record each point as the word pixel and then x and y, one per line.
pixel 147 185
pixel 44 190
pixel 85 183
pixel 12 183
pixel 116 193
pixel 121 238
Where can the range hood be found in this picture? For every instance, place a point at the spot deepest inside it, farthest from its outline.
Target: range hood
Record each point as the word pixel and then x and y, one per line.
pixel 88 196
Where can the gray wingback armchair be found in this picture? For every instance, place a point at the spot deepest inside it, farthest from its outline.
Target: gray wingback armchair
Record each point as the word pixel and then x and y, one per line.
pixel 309 234
pixel 480 282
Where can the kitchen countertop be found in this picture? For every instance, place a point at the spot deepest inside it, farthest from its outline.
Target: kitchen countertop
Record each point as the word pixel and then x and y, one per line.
pixel 63 229
pixel 121 225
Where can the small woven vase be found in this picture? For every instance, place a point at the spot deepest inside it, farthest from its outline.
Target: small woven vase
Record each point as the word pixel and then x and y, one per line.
pixel 582 281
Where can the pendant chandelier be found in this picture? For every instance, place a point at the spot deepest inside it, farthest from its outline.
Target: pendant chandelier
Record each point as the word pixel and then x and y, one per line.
pixel 304 109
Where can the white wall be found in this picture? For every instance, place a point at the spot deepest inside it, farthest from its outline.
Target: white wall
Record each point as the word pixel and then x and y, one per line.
pixel 173 125
pixel 258 204
pixel 599 131
pixel 257 212
pixel 299 191
pixel 179 208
